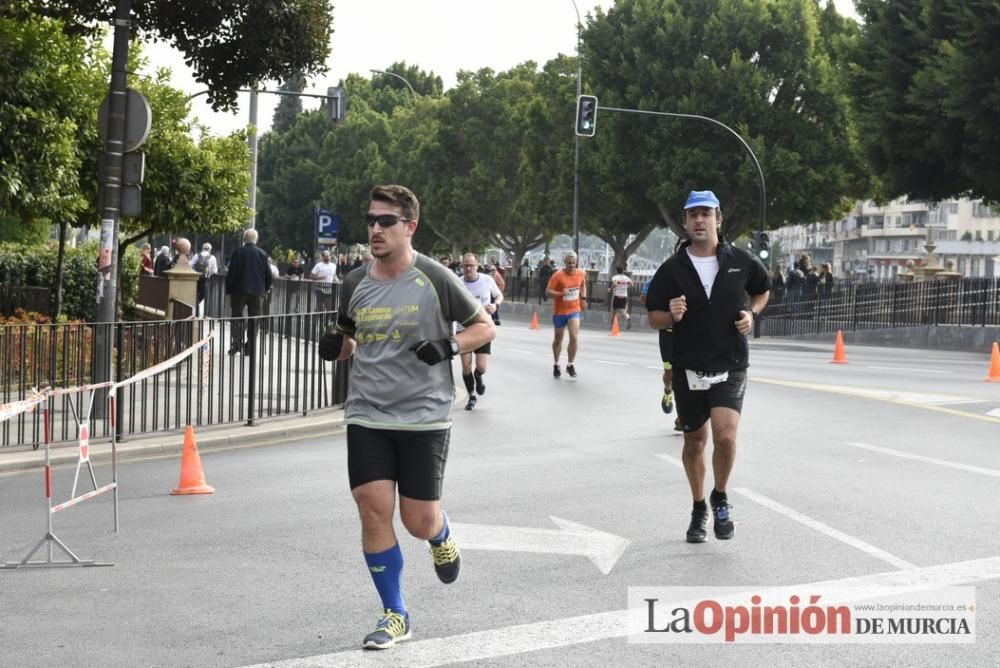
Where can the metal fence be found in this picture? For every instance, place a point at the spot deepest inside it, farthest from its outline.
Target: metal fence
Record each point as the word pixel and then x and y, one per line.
pixel 280 375
pixel 13 297
pixel 845 305
pixel 862 305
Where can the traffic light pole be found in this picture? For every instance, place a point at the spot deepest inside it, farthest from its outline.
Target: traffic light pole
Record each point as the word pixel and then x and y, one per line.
pixel 576 146
pixel 760 172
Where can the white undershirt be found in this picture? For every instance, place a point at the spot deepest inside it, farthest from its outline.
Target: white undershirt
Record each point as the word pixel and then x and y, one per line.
pixel 707 268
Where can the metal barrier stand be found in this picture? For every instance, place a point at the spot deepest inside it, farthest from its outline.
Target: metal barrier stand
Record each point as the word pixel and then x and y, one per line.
pixel 50 539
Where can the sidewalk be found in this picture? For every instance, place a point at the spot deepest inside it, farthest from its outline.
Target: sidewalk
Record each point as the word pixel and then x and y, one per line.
pixel 214 437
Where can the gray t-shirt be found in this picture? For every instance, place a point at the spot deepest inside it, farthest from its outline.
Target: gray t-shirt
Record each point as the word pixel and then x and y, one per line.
pixel 390 388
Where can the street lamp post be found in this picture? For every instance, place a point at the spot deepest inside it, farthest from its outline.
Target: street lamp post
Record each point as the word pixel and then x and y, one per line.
pixel 576 145
pixel 401 78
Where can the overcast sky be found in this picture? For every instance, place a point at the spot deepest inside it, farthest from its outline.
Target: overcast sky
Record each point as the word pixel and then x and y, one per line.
pixel 442 36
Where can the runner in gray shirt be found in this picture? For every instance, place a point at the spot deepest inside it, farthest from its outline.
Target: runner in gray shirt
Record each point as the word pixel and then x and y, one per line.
pixel 395 319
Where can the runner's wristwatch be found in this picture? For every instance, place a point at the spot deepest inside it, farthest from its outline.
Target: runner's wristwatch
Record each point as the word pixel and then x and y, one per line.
pixel 454 346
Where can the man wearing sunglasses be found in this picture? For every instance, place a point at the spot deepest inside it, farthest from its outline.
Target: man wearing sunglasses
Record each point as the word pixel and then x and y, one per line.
pixel 568 289
pixel 702 292
pixel 486 291
pixel 395 318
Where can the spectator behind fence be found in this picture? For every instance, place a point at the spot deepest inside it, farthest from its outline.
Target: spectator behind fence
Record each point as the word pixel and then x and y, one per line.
pixel 207 266
pixel 295 272
pixel 825 278
pixel 248 280
pixel 544 274
pixel 777 283
pixel 326 273
pixel 146 263
pixel 524 278
pixel 163 261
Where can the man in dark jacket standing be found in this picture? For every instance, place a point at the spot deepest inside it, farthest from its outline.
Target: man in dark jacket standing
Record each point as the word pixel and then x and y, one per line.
pixel 702 292
pixel 247 282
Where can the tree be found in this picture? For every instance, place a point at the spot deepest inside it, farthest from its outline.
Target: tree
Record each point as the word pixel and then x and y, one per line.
pixel 292 168
pixel 229 44
pixel 764 69
pixel 196 187
pixel 925 84
pixel 479 164
pixel 289 106
pixel 47 97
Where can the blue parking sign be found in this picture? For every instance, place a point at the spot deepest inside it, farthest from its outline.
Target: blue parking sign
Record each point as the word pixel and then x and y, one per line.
pixel 327 226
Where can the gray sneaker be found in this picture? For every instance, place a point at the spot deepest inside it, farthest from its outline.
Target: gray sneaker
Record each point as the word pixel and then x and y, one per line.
pixel 394 627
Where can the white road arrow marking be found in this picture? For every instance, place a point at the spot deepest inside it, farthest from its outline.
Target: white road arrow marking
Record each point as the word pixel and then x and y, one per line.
pixel 602 548
pixel 511 640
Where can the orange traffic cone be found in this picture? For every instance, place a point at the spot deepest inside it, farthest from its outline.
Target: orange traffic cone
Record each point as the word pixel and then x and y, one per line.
pixel 994 376
pixel 192 475
pixel 839 357
pixel 534 321
pixel 614 326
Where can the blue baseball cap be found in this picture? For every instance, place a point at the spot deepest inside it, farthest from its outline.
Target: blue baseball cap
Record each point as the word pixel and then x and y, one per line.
pixel 701 198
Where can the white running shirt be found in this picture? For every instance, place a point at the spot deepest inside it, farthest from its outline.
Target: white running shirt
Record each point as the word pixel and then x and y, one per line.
pixel 707 268
pixel 621 284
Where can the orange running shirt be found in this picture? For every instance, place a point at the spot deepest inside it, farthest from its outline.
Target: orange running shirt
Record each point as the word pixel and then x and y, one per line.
pixel 572 286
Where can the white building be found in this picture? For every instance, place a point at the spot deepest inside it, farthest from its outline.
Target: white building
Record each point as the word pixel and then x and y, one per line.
pixel 879 240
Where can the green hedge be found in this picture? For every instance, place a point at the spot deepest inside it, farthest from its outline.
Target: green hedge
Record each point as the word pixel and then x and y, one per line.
pixel 35 265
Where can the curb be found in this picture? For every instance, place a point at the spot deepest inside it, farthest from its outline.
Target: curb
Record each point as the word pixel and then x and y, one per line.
pixel 212 438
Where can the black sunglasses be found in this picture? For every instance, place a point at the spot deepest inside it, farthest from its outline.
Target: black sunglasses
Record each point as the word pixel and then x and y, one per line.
pixel 384 220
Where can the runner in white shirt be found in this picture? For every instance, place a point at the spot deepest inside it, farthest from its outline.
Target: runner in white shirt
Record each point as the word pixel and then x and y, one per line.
pixel 620 284
pixel 484 289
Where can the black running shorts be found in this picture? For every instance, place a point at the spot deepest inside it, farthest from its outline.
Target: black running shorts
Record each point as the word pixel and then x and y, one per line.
pixel 414 459
pixel 484 349
pixel 619 303
pixel 694 407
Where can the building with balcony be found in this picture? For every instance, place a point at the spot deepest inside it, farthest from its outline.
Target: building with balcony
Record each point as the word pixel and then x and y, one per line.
pixel 878 241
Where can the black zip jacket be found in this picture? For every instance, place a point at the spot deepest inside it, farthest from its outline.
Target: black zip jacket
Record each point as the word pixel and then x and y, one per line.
pixel 706 338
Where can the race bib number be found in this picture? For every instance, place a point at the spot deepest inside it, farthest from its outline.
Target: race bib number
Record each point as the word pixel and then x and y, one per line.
pixel 571 295
pixel 621 290
pixel 702 380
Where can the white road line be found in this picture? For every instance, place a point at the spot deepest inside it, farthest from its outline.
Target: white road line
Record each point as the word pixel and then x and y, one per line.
pixel 523 638
pixel 518 350
pixel 928 460
pixel 816 525
pixel 904 368
pixel 656 368
pixel 994 413
pixel 612 363
pixel 925 401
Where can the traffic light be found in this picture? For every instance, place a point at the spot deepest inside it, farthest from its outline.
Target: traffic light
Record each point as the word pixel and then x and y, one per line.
pixel 586 115
pixel 761 245
pixel 336 101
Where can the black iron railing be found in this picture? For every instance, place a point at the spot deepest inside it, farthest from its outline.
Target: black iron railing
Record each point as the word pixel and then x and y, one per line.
pixel 862 305
pixel 280 374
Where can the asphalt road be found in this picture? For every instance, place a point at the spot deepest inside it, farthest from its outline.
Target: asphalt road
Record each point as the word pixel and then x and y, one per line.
pixel 886 465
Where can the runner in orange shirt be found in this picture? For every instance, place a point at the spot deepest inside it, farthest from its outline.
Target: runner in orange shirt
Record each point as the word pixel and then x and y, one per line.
pixel 568 287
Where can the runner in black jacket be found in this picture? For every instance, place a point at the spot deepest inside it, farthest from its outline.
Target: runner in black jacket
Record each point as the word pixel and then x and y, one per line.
pixel 702 293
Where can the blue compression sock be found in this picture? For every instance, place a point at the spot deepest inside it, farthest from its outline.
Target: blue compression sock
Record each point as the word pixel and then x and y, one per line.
pixel 386 569
pixel 445 531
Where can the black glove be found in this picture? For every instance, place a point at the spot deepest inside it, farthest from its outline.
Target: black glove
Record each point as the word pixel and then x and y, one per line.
pixel 433 352
pixel 330 345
